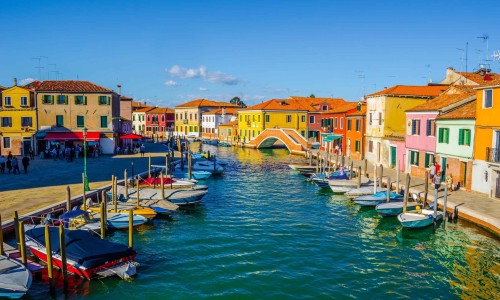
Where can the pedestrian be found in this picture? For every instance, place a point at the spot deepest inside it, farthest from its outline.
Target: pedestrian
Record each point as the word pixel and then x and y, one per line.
pixel 32 154
pixel 9 157
pixel 26 162
pixel 449 182
pixel 15 165
pixel 142 149
pixel 437 180
pixel 432 171
pixel 9 164
pixel 53 153
pixel 438 167
pixel 77 151
pixel 2 164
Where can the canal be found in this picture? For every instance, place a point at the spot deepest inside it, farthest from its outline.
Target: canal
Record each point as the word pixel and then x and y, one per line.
pixel 263 232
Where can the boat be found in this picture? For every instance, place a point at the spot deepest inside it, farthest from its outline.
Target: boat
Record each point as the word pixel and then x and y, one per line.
pixel 394 208
pixel 87 256
pixel 153 197
pixel 198 175
pixel 343 186
pixel 377 198
pixel 145 212
pixel 362 191
pixel 303 167
pixel 168 183
pixel 224 144
pixel 202 165
pixel 420 219
pixel 15 278
pixel 79 219
pixel 325 182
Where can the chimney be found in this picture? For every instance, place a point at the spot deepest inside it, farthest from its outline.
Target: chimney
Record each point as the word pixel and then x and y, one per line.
pixel 119 86
pixel 15 81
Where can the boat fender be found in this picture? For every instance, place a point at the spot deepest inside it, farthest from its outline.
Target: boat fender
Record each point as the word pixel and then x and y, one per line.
pixel 419 210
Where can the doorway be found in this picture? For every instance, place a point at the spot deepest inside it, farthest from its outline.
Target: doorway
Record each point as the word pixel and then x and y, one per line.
pixel 497 187
pixel 26 147
pixel 378 152
pixel 463 173
pixel 393 156
pixel 443 168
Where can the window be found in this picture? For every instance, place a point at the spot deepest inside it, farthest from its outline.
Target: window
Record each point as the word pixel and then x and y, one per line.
pixel 349 125
pixel 371 118
pixel 464 137
pixel 104 100
pixel 444 135
pixel 241 118
pixel 336 122
pixel 488 99
pixel 379 118
pixel 258 118
pixel 7 101
pixel 62 99
pixel 311 119
pixel 370 146
pixel 133 117
pixel 195 128
pixel 104 121
pixel 6 121
pixel 429 159
pixel 6 142
pixel 48 99
pixel 163 119
pixel 190 116
pixel 26 122
pixel 358 125
pixel 431 128
pixel 190 128
pixel 358 146
pixel 24 101
pixel 80 121
pixel 288 118
pixel 415 127
pixel 60 121
pixel 414 155
pixel 195 117
pixel 267 118
pixel 341 123
pixel 81 100
pixel 253 118
pixel 303 118
pixel 325 107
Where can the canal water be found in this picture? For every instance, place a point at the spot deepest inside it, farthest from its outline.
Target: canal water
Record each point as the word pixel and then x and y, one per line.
pixel 263 232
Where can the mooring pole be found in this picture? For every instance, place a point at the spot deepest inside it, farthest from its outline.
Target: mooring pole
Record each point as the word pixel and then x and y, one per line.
pixel 407 192
pixel 397 176
pixel 426 188
pixel 1 236
pixel 189 166
pixel 16 229
pixel 137 191
pixel 351 170
pixel 68 198
pixel 444 205
pixel 22 243
pixel 48 249
pixel 103 230
pixel 374 178
pixel 149 166
pixel 125 178
pixel 131 228
pixel 388 189
pixel 359 177
pixel 62 246
pixel 162 186
pixel 381 176
pixel 84 194
pixel 366 167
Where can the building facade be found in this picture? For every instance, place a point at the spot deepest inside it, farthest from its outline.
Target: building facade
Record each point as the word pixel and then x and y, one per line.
pixel 211 120
pixel 159 122
pixel 139 119
pixel 355 132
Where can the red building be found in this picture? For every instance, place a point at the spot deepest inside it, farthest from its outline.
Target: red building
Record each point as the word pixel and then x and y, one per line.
pixel 159 121
pixel 334 126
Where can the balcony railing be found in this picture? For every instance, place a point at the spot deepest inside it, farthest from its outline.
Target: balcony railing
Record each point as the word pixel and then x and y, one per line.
pixel 493 155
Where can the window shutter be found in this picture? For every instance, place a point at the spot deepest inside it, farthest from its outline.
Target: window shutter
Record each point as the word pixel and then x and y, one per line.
pixel 85 100
pixel 440 138
pixel 108 100
pixel 467 137
pixel 426 160
pixel 428 129
pixel 413 127
pixel 51 99
pixel 460 136
pixel 446 135
pixel 418 154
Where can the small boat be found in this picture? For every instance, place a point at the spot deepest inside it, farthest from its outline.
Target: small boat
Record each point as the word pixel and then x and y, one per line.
pixel 419 219
pixel 198 175
pixel 362 191
pixel 377 198
pixel 145 212
pixel 15 278
pixel 168 183
pixel 303 167
pixel 79 219
pixel 325 182
pixel 224 144
pixel 394 208
pixel 343 186
pixel 204 165
pixel 153 197
pixel 87 256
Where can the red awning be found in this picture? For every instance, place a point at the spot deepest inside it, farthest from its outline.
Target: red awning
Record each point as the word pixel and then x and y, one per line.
pixel 131 136
pixel 72 136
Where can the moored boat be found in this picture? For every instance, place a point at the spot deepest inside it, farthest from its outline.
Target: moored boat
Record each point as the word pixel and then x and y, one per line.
pixel 394 208
pixel 15 278
pixel 421 219
pixel 151 197
pixel 377 198
pixel 198 175
pixel 362 191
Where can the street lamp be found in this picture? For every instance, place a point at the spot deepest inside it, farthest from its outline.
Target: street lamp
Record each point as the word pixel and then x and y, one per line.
pixel 85 178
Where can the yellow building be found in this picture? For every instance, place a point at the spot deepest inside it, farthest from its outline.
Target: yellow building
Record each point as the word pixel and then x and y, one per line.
pixel 188 116
pixel 486 165
pixel 274 113
pixel 17 120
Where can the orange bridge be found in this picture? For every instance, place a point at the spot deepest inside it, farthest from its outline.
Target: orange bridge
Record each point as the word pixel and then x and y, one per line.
pixel 295 142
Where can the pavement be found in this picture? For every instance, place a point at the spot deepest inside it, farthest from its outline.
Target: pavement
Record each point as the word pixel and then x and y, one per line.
pixel 477 208
pixel 47 180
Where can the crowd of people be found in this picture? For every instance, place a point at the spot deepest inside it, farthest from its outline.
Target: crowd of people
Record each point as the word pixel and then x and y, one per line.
pixel 69 153
pixel 435 176
pixel 10 164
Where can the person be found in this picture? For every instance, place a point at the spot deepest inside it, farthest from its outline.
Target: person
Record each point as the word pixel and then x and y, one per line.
pixel 9 157
pixel 8 163
pixel 15 165
pixel 2 164
pixel 142 149
pixel 32 154
pixel 26 162
pixel 449 182
pixel 94 152
pixel 437 180
pixel 341 170
pixel 432 171
pixel 77 151
pixel 438 167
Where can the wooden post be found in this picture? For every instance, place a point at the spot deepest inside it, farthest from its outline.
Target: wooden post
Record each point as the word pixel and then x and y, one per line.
pixel 381 175
pixel 62 246
pixel 131 228
pixel 397 176
pixel 343 160
pixel 84 194
pixel 167 163
pixel 444 204
pixel 22 243
pixel 374 178
pixel 103 229
pixel 16 228
pixel 215 162
pixel 366 167
pixel 388 189
pixel 125 178
pixel 189 166
pixel 336 160
pixel 48 248
pixel 351 170
pixel 1 236
pixel 359 177
pixel 407 191
pixel 436 194
pixel 137 191
pixel 182 160
pixel 114 195
pixel 149 166
pixel 68 198
pixel 310 158
pixel 426 188
pixel 162 186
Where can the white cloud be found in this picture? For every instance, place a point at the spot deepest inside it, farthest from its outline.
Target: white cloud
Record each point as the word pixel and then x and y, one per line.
pixel 26 81
pixel 202 72
pixel 202 89
pixel 171 83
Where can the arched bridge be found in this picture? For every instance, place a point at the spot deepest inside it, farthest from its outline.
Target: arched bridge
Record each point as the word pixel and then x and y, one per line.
pixel 295 142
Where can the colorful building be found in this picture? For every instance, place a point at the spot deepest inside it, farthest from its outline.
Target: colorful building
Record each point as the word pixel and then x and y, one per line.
pixel 139 118
pixel 211 120
pixel 486 166
pixel 386 118
pixel 66 107
pixel 333 127
pixel 17 120
pixel 483 76
pixel 159 122
pixel 455 143
pixel 188 116
pixel 228 132
pixel 355 132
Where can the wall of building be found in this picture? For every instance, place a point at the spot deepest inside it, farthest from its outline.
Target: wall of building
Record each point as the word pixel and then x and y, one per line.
pixel 453 148
pixel 420 141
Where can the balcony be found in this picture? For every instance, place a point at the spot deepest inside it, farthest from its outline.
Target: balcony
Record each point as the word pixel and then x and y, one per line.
pixel 493 155
pixel 185 121
pixel 248 123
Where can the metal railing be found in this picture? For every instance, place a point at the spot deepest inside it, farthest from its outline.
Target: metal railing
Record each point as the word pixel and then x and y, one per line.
pixel 493 155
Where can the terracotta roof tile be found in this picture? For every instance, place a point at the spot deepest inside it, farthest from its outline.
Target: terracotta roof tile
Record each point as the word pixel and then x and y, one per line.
pixel 81 86
pixel 361 112
pixel 467 111
pixel 125 98
pixel 218 111
pixel 282 104
pixel 2 87
pixel 412 90
pixel 143 109
pixel 343 108
pixel 485 79
pixel 161 110
pixel 442 101
pixel 206 103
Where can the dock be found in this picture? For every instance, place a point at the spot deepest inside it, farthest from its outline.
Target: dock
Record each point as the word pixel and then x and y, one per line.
pixel 14 253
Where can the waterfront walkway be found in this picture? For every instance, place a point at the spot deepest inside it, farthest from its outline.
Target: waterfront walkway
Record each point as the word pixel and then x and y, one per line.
pixel 477 208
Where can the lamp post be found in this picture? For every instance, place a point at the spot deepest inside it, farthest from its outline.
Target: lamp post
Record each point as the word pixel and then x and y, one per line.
pixel 85 178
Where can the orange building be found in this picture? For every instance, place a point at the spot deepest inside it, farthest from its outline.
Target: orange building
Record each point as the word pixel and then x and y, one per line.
pixel 355 132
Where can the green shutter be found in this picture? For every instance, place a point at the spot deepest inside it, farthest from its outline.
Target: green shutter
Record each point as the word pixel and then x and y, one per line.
pixel 467 137
pixel 417 154
pixel 108 100
pixel 447 135
pixel 426 160
pixel 460 136
pixel 84 100
pixel 51 99
pixel 441 133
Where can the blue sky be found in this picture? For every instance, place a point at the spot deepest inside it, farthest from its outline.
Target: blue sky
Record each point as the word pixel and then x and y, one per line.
pixel 171 52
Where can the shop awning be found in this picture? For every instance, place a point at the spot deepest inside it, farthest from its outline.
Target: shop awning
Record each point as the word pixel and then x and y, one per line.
pixel 330 138
pixel 131 136
pixel 72 136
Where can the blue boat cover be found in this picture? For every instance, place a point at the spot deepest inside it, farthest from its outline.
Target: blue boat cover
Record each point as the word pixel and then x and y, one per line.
pixel 82 247
pixel 72 214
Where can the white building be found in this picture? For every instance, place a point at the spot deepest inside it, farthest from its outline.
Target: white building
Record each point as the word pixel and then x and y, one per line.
pixel 139 119
pixel 212 119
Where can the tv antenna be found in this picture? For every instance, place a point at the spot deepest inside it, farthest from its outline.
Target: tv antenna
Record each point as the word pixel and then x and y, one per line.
pixel 429 79
pixel 485 38
pixel 466 50
pixel 39 66
pixel 361 74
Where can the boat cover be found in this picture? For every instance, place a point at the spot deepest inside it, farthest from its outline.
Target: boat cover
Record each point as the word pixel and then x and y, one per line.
pixel 82 246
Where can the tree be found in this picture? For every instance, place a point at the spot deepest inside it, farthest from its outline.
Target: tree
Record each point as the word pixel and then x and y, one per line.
pixel 237 101
pixel 312 96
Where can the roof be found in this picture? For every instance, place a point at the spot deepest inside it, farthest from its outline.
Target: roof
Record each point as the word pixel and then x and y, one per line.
pixel 218 111
pixel 482 79
pixel 160 110
pixel 467 111
pixel 143 109
pixel 442 101
pixel 206 103
pixel 282 104
pixel 343 108
pixel 232 123
pixel 138 104
pixel 395 137
pixel 68 86
pixel 125 98
pixel 2 87
pixel 412 90
pixel 361 112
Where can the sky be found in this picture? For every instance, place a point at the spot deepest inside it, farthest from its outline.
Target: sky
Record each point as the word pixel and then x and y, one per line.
pixel 166 53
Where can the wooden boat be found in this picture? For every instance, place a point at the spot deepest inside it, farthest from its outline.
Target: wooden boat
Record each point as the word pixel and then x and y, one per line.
pixel 394 208
pixel 362 191
pixel 198 175
pixel 325 182
pixel 202 165
pixel 146 212
pixel 343 186
pixel 87 256
pixel 15 278
pixel 421 219
pixel 303 167
pixel 224 144
pixel 377 198
pixel 178 197
pixel 155 182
